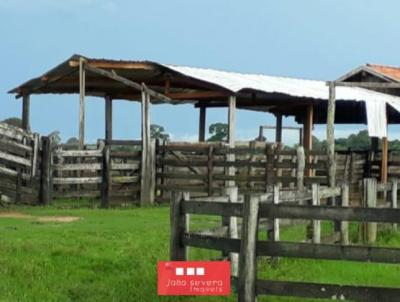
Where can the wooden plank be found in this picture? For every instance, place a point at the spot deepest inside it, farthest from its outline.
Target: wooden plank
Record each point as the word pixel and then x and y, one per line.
pixel 15 159
pixel 231 138
pixel 326 213
pixel 76 180
pixel 214 243
pixel 79 153
pixel 213 208
pixel 248 259
pixel 123 167
pixel 13 173
pixel 330 134
pixel 124 179
pixel 328 252
pixel 14 132
pixel 327 291
pixel 78 167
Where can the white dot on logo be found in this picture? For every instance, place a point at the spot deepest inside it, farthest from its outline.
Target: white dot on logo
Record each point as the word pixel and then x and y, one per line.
pixel 179 271
pixel 200 271
pixel 190 271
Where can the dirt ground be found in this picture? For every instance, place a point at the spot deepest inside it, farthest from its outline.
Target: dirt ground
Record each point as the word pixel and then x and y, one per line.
pixel 18 215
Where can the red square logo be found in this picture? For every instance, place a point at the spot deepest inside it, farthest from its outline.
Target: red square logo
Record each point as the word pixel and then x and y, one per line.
pixel 194 278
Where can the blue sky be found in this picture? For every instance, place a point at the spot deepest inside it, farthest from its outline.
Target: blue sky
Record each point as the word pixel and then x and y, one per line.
pixel 302 38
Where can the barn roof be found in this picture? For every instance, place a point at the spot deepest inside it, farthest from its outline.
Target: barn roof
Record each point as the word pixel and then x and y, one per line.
pixel 209 87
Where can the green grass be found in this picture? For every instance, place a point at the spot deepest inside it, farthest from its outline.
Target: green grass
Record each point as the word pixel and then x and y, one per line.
pixel 111 255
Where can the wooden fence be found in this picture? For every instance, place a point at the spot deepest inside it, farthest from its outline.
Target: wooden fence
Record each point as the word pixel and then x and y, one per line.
pixel 274 206
pixel 19 165
pixel 204 168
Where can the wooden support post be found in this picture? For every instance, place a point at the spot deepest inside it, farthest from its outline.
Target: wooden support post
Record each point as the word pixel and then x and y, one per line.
pixel 106 177
pixel 248 256
pixel 269 168
pixel 178 222
pixel 231 171
pixel 109 118
pixel 202 124
pixel 369 201
pixel 232 193
pixel 330 135
pixel 25 112
pixel 394 198
pixel 273 224
pixel 300 168
pixel 316 224
pixel 384 163
pixel 278 128
pixel 82 88
pixel 344 225
pixel 46 187
pixel 308 126
pixel 147 191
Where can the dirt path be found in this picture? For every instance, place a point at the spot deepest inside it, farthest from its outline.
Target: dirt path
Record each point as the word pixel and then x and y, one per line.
pixel 18 215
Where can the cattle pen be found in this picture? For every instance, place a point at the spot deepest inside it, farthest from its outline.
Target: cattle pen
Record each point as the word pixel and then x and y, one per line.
pixel 260 182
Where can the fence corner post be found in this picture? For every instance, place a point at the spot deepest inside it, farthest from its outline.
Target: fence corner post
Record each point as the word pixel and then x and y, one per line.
pixel 46 188
pixel 178 223
pixel 369 200
pixel 248 255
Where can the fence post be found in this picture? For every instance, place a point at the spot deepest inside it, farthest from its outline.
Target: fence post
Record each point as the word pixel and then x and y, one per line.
pixel 300 168
pixel 210 169
pixel 106 177
pixel 394 199
pixel 46 188
pixel 178 223
pixel 148 173
pixel 369 201
pixel 269 168
pixel 344 225
pixel 248 256
pixel 232 193
pixel 316 237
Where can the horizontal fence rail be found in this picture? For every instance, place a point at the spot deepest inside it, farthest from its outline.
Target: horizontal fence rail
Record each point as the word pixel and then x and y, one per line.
pixel 271 206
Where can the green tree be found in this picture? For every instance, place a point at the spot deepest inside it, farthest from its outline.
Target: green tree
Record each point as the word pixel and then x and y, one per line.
pixel 72 141
pixel 219 132
pixel 158 132
pixel 13 121
pixel 56 137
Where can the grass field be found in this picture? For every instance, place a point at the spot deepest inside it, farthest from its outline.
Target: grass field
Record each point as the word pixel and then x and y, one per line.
pixel 111 255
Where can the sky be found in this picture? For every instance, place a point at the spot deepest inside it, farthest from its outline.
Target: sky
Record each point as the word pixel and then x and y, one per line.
pixel 314 39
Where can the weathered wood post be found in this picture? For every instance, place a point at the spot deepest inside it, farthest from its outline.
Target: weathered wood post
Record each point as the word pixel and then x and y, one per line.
pixel 202 124
pixel 316 224
pixel 308 125
pixel 46 187
pixel 231 138
pixel 109 117
pixel 179 226
pixel 232 193
pixel 248 257
pixel 82 88
pixel 369 201
pixel 394 198
pixel 148 169
pixel 210 170
pixel 25 112
pixel 106 177
pixel 278 128
pixel 344 225
pixel 301 163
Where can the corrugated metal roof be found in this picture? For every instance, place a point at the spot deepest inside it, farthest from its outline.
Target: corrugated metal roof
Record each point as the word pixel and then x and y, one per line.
pixel 237 82
pixel 389 71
